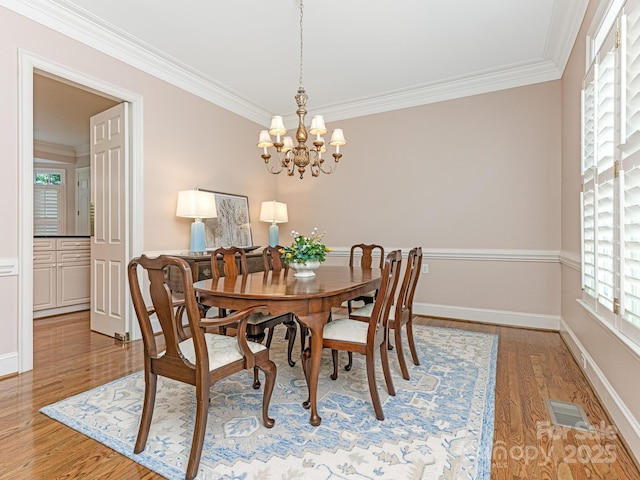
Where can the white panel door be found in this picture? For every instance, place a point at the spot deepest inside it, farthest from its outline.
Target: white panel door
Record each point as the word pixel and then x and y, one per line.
pixel 109 166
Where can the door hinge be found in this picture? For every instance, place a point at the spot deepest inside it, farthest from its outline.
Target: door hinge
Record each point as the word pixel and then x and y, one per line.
pixel 617 38
pixel 616 168
pixel 616 306
pixel 122 337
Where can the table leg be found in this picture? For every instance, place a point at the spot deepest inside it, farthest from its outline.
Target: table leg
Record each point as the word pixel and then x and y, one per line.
pixel 315 323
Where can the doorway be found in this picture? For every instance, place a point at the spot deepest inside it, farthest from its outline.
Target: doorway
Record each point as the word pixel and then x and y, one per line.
pixel 28 66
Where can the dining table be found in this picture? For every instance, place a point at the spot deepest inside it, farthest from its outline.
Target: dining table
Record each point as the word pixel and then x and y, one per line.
pixel 310 299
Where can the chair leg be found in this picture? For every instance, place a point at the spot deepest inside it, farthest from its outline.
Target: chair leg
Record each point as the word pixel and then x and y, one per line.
pixel 151 381
pixel 256 379
pixel 412 345
pixel 269 337
pixel 202 411
pixel 373 389
pixel 304 331
pixel 292 331
pixel 397 331
pixel 334 356
pixel 384 357
pixel 269 369
pixel 306 358
pixel 348 366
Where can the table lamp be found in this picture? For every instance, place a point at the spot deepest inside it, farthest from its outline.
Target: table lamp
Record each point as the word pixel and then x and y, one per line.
pixel 274 212
pixel 196 204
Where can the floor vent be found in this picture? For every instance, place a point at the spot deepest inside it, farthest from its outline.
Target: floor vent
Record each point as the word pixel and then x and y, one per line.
pixel 569 415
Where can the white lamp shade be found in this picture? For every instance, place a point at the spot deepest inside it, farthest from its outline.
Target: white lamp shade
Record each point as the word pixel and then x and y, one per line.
pixel 277 126
pixel 264 140
pixel 317 125
pixel 288 144
pixel 274 212
pixel 196 204
pixel 337 138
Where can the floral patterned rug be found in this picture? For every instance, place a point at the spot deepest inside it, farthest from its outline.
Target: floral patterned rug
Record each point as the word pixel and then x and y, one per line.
pixel 438 426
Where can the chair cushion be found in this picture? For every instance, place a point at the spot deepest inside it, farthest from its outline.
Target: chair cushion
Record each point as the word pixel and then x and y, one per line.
pixel 346 330
pixel 367 310
pixel 222 349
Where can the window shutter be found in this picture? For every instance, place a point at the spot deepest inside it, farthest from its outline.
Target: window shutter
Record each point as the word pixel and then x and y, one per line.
pixel 630 232
pixel 47 211
pixel 605 197
pixel 630 91
pixel 588 188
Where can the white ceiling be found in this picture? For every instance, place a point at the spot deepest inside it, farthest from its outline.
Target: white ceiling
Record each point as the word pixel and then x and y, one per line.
pixel 360 56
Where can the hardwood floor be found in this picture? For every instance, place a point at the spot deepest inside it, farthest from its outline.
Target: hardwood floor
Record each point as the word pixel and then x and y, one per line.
pixel 532 365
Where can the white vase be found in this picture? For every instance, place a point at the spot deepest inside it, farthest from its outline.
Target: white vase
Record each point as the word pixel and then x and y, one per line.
pixel 305 269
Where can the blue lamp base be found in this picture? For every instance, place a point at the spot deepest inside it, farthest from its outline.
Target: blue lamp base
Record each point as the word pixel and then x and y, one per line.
pixel 273 235
pixel 197 236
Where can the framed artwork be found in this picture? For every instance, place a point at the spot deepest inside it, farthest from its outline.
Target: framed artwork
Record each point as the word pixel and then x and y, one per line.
pixel 232 226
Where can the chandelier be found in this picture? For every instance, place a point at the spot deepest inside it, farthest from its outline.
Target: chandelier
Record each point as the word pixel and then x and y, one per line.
pixel 300 156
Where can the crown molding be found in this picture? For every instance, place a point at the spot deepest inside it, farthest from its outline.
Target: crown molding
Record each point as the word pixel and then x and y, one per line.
pixel 566 21
pixel 86 28
pixel 53 148
pixel 449 89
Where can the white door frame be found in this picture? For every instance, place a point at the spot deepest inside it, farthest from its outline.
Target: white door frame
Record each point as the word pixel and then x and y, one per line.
pixel 27 64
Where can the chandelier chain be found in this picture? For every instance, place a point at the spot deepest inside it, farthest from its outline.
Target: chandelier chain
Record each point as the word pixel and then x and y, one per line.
pixel 301 42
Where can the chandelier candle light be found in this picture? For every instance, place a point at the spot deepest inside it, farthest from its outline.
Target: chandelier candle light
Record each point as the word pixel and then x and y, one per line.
pixel 274 212
pixel 196 204
pixel 291 156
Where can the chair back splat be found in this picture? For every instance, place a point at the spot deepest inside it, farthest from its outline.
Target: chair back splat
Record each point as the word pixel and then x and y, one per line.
pixel 201 359
pixel 234 261
pixel 366 261
pixel 402 315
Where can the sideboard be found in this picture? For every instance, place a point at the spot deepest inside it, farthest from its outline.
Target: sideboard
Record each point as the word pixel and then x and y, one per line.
pixel 201 267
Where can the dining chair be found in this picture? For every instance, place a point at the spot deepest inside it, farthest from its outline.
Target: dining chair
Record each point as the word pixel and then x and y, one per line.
pixel 199 360
pixel 366 261
pixel 401 314
pixel 234 268
pixel 346 334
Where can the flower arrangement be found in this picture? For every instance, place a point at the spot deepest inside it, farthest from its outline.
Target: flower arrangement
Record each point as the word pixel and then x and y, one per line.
pixel 304 248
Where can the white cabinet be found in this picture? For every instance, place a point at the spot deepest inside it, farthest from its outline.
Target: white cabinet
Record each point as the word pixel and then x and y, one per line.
pixel 61 275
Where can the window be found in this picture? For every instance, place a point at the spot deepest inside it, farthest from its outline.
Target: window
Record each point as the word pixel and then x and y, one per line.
pixel 610 197
pixel 48 202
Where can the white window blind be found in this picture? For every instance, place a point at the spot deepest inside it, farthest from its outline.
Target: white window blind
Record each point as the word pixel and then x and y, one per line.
pixel 630 67
pixel 47 210
pixel 610 199
pixel 588 188
pixel 630 295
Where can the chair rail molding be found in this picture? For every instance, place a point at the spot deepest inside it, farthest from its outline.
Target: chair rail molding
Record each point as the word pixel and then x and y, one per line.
pixel 489 255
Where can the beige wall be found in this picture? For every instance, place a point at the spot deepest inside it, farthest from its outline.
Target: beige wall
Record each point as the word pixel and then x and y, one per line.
pixel 477 173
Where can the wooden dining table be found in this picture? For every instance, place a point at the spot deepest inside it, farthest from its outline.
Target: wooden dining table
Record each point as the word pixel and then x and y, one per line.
pixel 310 299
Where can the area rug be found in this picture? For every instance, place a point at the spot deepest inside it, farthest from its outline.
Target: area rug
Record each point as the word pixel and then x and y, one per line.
pixel 438 426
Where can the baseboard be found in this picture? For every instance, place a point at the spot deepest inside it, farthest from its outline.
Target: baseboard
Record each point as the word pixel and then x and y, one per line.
pixel 627 425
pixel 8 364
pixel 60 310
pixel 496 317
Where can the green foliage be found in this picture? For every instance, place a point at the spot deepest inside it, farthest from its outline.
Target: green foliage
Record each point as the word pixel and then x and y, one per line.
pixel 305 248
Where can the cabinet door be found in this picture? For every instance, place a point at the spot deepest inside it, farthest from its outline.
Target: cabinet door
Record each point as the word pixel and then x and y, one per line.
pixel 44 286
pixel 73 283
